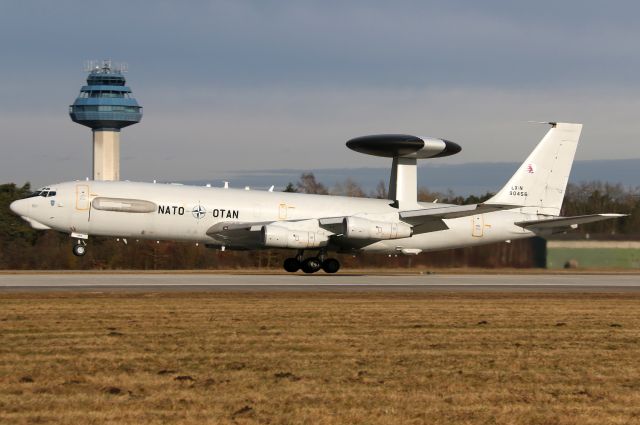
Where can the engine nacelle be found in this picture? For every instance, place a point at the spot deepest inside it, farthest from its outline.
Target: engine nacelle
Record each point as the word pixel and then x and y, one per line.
pixel 362 228
pixel 281 237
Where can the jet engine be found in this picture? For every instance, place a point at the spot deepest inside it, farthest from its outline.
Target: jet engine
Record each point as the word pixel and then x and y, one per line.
pixel 281 237
pixel 362 228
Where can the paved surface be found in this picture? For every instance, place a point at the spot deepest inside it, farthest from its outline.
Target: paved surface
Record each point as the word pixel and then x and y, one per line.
pixel 317 282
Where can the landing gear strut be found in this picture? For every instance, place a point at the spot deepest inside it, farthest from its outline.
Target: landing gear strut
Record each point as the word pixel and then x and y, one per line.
pixel 311 264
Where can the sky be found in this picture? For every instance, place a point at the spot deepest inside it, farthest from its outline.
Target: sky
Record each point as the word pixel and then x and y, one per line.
pixel 240 85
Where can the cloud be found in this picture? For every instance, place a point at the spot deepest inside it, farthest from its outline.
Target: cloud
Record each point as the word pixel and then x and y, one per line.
pixel 230 85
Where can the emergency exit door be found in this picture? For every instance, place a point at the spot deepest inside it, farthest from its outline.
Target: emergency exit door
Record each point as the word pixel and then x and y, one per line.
pixel 478 226
pixel 282 212
pixel 82 197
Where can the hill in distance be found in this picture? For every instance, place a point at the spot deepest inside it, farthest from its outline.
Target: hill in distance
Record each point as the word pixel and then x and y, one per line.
pixel 462 179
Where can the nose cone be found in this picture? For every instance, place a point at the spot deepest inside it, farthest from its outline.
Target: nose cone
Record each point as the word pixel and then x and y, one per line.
pixel 20 207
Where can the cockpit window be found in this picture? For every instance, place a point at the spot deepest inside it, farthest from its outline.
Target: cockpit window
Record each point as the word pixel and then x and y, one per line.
pixel 45 192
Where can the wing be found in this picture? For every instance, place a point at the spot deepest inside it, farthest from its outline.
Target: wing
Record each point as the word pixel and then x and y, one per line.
pixel 431 219
pixel 450 211
pixel 561 224
pixel 233 234
pixel 249 235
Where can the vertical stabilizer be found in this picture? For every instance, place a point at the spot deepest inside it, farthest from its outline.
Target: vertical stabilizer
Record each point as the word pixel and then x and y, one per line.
pixel 539 184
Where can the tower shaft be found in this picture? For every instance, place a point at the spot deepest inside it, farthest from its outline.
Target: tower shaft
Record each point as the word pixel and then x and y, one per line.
pixel 106 155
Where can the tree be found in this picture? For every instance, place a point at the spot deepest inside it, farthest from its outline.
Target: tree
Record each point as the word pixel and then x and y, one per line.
pixel 11 226
pixel 290 188
pixel 381 190
pixel 348 188
pixel 308 184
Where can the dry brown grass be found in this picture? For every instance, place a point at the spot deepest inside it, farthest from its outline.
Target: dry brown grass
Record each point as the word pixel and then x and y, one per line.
pixel 320 358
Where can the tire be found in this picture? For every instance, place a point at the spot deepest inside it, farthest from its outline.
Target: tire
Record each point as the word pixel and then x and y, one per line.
pixel 291 265
pixel 311 265
pixel 79 250
pixel 330 265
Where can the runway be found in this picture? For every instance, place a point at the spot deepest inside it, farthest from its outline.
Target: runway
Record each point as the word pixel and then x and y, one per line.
pixel 47 282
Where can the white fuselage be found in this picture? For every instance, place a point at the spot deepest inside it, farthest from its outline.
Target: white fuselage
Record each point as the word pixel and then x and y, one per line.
pixel 187 212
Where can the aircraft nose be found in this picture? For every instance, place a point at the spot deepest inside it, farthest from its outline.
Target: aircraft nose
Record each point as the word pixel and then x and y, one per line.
pixel 20 207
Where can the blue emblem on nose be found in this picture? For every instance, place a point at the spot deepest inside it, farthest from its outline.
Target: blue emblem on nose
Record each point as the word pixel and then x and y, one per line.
pixel 52 202
pixel 199 212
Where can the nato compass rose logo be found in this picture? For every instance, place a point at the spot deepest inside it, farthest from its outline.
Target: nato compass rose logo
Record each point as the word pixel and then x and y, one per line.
pixel 199 212
pixel 531 168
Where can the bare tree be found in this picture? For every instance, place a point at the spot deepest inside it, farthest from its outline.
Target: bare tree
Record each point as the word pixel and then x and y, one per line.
pixel 348 188
pixel 381 190
pixel 308 184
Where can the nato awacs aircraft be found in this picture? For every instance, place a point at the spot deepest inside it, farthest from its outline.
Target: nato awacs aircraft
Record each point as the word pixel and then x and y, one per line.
pixel 528 205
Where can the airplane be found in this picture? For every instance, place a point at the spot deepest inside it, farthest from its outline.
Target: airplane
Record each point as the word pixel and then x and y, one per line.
pixel 224 218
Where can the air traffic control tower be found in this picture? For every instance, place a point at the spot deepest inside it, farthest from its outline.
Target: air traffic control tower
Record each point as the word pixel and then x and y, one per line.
pixel 105 104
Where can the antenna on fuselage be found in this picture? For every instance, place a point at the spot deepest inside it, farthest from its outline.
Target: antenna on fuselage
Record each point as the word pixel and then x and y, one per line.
pixel 405 151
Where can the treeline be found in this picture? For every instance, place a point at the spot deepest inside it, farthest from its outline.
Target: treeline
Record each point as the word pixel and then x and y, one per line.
pixel 580 199
pixel 22 247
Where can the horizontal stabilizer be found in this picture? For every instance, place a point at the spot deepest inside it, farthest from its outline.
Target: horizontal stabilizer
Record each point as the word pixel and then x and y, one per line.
pixel 565 223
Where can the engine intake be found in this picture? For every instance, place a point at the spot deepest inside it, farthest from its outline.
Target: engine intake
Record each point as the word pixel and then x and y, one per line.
pixel 280 237
pixel 362 228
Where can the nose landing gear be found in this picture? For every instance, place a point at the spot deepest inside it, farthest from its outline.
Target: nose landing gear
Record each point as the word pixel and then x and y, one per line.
pixel 80 248
pixel 311 264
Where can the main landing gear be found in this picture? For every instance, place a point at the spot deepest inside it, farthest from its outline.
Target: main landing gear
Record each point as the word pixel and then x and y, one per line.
pixel 311 264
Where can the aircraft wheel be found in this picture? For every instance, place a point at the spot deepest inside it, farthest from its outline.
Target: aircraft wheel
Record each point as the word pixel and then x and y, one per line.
pixel 330 265
pixel 311 265
pixel 291 265
pixel 79 250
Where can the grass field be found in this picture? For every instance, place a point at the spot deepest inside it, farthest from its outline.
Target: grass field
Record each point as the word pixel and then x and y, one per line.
pixel 319 358
pixel 615 258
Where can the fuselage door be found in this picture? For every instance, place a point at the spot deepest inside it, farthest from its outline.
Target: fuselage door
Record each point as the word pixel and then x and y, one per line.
pixel 478 226
pixel 82 197
pixel 282 212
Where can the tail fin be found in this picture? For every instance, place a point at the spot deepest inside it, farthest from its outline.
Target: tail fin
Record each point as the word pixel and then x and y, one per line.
pixel 539 184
